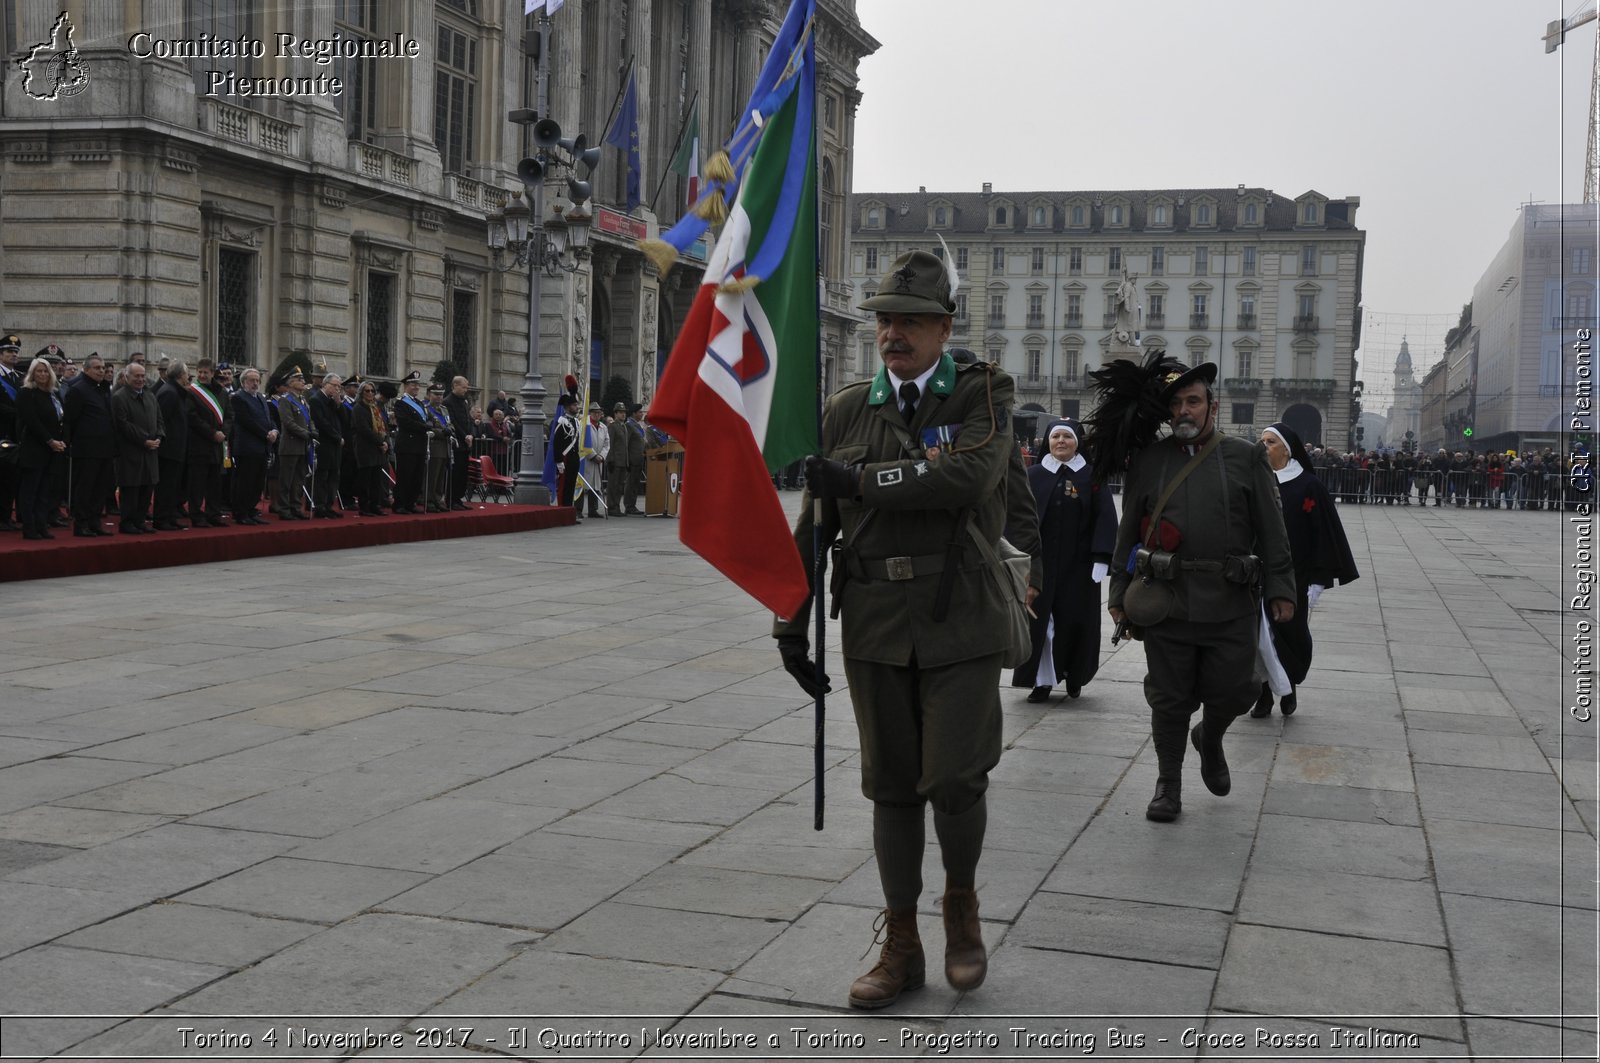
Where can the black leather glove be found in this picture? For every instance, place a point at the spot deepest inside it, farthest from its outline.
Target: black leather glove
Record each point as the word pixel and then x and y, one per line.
pixel 832 479
pixel 796 653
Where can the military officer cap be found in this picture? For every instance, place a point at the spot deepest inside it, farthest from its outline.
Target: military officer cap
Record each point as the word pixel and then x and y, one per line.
pixel 917 283
pixel 11 343
pixel 568 401
pixel 637 407
pixel 412 377
pixel 51 353
pixel 436 388
pixel 294 374
pixel 352 381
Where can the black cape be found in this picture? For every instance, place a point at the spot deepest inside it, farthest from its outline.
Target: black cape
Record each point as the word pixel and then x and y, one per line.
pixel 1321 556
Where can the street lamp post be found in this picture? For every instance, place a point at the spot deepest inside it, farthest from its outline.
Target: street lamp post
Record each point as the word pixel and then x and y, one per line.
pixel 546 246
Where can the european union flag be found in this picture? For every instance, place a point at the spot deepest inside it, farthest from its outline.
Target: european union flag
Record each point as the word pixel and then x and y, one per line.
pixel 624 134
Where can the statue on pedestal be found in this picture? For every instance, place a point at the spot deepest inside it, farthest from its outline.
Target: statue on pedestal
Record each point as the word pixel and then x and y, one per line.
pixel 1125 304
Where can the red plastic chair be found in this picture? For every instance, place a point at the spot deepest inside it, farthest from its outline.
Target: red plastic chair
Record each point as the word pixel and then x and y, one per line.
pixel 481 474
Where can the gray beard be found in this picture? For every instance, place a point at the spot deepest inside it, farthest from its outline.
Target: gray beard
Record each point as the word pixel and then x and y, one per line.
pixel 1186 432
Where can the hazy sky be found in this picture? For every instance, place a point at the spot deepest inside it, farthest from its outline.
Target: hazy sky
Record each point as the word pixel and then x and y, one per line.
pixel 1442 115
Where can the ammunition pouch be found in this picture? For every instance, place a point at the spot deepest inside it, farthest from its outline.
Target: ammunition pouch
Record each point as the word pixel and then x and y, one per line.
pixel 1155 564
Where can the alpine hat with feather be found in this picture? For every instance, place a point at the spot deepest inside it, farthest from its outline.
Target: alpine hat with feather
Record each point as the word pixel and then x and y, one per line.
pixel 917 283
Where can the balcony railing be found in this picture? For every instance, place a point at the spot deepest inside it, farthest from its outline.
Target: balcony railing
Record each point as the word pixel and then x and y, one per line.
pixel 1034 383
pixel 249 127
pixel 1199 321
pixel 1155 321
pixel 383 165
pixel 1074 321
pixel 1573 321
pixel 1068 381
pixel 1246 321
pixel 960 324
pixel 1035 321
pixel 1305 324
pixel 1242 384
pixel 1304 385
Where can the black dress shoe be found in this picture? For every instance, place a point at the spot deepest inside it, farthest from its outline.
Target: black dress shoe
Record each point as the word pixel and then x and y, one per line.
pixel 1213 765
pixel 1074 689
pixel 1288 703
pixel 1038 694
pixel 34 535
pixel 98 530
pixel 6 525
pixel 456 507
pixel 57 522
pixel 1263 705
pixel 166 526
pixel 1166 804
pixel 80 532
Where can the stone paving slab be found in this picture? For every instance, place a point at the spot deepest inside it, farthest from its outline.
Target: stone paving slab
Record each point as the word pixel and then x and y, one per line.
pixel 599 790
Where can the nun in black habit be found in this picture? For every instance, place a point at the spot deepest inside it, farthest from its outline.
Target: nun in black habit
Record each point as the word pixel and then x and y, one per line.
pixel 1321 557
pixel 1077 531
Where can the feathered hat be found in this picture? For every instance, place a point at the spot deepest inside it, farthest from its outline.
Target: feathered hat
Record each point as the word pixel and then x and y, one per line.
pixel 1133 407
pixel 293 362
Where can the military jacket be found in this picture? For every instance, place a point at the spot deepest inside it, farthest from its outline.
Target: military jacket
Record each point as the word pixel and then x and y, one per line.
pixel 1227 506
pixel 912 506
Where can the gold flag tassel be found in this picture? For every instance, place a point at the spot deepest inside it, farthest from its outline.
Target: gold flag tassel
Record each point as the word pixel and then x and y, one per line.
pixel 660 253
pixel 738 285
pixel 719 168
pixel 711 206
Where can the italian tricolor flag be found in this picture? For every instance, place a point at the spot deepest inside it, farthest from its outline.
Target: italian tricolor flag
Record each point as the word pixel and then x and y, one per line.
pixel 740 387
pixel 687 162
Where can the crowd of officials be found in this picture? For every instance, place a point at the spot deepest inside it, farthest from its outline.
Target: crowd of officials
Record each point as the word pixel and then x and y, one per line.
pixel 160 443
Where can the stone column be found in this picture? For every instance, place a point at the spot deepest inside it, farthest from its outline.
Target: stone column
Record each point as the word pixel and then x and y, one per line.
pixel 640 35
pixel 566 70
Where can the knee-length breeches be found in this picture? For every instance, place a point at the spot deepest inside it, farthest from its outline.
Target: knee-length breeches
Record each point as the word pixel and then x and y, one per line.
pixel 927 734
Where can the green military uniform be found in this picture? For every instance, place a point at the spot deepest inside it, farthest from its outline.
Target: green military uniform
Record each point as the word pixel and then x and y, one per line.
pixel 1204 652
pixel 925 689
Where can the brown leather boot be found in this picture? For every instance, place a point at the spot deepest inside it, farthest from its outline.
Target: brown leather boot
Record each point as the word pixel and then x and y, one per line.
pixel 965 963
pixel 900 965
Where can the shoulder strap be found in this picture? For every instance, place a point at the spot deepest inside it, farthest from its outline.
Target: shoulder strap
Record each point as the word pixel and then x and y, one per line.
pixel 1153 533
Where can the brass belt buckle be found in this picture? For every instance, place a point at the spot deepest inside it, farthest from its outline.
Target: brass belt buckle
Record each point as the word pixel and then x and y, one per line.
pixel 898 567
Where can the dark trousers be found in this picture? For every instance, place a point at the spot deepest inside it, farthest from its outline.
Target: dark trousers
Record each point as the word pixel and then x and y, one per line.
pixel 409 471
pixel 205 490
pixel 249 477
pixel 170 491
pixel 33 492
pixel 325 477
pixel 569 482
pixel 369 480
pixel 1193 664
pixel 134 502
pixel 92 480
pixel 10 479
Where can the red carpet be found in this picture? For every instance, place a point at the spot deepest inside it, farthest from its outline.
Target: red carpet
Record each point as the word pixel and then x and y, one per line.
pixel 68 555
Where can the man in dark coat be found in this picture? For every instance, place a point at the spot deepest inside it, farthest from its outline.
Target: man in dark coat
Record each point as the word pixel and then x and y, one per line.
pixel 328 414
pixel 207 411
pixel 174 453
pixel 635 460
pixel 460 410
pixel 912 476
pixel 411 447
pixel 1219 533
pixel 86 411
pixel 139 427
pixel 254 438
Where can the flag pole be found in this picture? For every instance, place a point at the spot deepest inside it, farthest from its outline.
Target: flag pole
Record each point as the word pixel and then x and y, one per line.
pixel 818 547
pixel 617 103
pixel 678 145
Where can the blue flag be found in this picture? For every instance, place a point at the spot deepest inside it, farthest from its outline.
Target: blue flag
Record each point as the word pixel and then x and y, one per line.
pixel 624 134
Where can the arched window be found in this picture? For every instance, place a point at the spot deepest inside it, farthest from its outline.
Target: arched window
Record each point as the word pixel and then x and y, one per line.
pixel 1038 215
pixel 874 218
pixel 939 216
pixel 999 215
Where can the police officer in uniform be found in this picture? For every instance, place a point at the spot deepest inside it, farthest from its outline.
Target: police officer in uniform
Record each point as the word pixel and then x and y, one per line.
pixel 913 466
pixel 411 421
pixel 1217 537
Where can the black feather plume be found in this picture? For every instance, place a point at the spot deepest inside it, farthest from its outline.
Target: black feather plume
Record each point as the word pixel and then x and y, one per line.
pixel 1130 413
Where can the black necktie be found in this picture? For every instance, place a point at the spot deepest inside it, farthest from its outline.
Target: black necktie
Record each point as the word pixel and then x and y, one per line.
pixel 908 400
